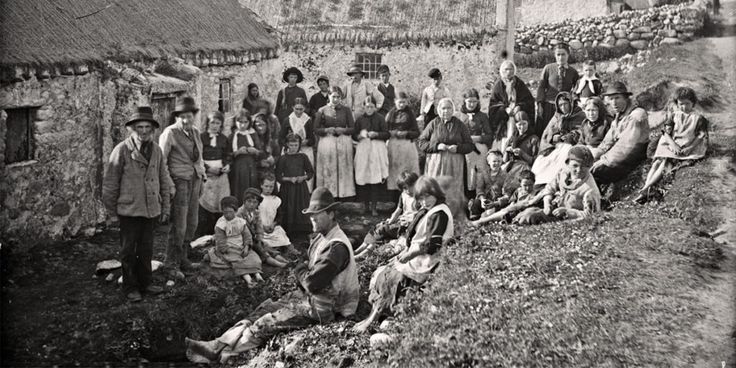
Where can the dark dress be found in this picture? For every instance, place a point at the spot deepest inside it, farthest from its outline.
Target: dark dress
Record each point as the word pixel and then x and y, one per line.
pixel 220 151
pixel 316 102
pixel 244 167
pixel 500 101
pixel 285 101
pixel 294 196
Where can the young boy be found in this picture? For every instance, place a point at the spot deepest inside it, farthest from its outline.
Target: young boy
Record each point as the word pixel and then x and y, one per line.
pixel 572 194
pixel 249 211
pixel 400 219
pixel 588 85
pixel 517 202
pixel 488 185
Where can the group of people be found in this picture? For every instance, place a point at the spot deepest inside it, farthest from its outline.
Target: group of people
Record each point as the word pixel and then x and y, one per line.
pixel 528 160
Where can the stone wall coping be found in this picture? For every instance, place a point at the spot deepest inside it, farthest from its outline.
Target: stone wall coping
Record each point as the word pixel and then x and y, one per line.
pixel 21 164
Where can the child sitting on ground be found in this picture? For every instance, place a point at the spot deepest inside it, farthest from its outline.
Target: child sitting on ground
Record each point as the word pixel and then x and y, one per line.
pixel 399 221
pixel 274 235
pixel 233 253
pixel 572 194
pixel 488 185
pixel 249 211
pixel 512 205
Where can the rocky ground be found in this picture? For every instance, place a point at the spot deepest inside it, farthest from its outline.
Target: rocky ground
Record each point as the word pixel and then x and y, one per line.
pixel 637 286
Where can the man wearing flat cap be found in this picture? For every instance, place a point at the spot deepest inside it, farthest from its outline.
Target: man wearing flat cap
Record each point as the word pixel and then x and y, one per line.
pixel 356 90
pixel 327 285
pixel 182 148
pixel 625 145
pixel 136 190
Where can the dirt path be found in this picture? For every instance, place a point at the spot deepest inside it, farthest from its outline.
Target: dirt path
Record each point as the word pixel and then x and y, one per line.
pixel 719 327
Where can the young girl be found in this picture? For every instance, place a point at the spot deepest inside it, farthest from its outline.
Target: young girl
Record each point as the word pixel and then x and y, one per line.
pixel 293 171
pixel 489 185
pixel 396 225
pixel 216 156
pixel 274 126
pixel 334 125
pixel 588 85
pixel 683 141
pixel 249 211
pixel 274 235
pixel 233 252
pixel 371 156
pixel 287 96
pixel 246 148
pixel 402 152
pixel 271 148
pixel 300 123
pixel 572 194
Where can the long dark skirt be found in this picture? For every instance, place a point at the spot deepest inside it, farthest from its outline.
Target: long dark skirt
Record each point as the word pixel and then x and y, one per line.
pixel 294 198
pixel 243 175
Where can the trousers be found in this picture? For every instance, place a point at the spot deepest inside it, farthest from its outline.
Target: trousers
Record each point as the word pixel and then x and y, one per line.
pixel 136 240
pixel 184 218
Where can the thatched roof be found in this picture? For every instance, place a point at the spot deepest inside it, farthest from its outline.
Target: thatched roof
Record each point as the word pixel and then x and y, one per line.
pixel 376 22
pixel 52 32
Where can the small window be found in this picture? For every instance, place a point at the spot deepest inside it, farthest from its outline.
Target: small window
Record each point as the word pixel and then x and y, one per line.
pixel 369 63
pixel 19 141
pixel 223 103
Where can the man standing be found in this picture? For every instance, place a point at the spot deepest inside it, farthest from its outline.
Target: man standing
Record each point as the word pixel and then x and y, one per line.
pixel 356 90
pixel 136 190
pixel 182 149
pixel 625 145
pixel 328 285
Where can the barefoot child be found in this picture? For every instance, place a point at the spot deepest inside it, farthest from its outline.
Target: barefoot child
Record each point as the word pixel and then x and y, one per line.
pixel 293 171
pixel 684 140
pixel 488 184
pixel 572 194
pixel 517 202
pixel 233 251
pixel 397 224
pixel 274 235
pixel 249 211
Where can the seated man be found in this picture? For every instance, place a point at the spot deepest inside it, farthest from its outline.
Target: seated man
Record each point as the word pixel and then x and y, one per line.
pixel 625 145
pixel 328 285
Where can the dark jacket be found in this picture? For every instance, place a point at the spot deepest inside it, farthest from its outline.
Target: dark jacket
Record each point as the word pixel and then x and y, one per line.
pixel 500 101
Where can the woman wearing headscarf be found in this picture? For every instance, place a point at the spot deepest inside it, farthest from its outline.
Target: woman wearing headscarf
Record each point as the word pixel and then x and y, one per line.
pixel 446 141
pixel 480 132
pixel 286 97
pixel 559 136
pixel 508 96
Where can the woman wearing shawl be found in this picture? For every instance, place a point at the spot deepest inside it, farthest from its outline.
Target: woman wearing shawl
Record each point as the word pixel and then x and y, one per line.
pixel 559 136
pixel 246 150
pixel 509 95
pixel 250 102
pixel 216 155
pixel 299 123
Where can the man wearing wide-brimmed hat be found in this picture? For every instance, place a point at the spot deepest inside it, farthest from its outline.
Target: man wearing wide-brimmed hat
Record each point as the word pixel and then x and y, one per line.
pixel 286 97
pixel 328 285
pixel 136 190
pixel 356 89
pixel 182 149
pixel 625 145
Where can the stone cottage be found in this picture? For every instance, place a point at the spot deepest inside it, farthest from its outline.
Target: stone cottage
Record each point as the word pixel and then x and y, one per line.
pixel 70 73
pixel 410 36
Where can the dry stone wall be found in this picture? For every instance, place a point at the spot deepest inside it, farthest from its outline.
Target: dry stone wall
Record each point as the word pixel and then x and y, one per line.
pixel 610 36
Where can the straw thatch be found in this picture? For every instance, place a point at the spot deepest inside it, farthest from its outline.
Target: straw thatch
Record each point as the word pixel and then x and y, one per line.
pixel 376 22
pixel 46 32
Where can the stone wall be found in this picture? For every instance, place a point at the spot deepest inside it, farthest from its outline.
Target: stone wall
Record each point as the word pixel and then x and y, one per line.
pixel 606 37
pixel 462 67
pixel 56 194
pixel 533 12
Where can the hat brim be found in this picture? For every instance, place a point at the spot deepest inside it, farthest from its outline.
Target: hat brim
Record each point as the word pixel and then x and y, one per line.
pixel 355 72
pixel 193 111
pixel 153 122
pixel 310 210
pixel 616 93
pixel 299 75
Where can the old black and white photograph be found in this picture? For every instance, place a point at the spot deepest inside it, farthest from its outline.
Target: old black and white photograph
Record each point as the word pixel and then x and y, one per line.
pixel 368 183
